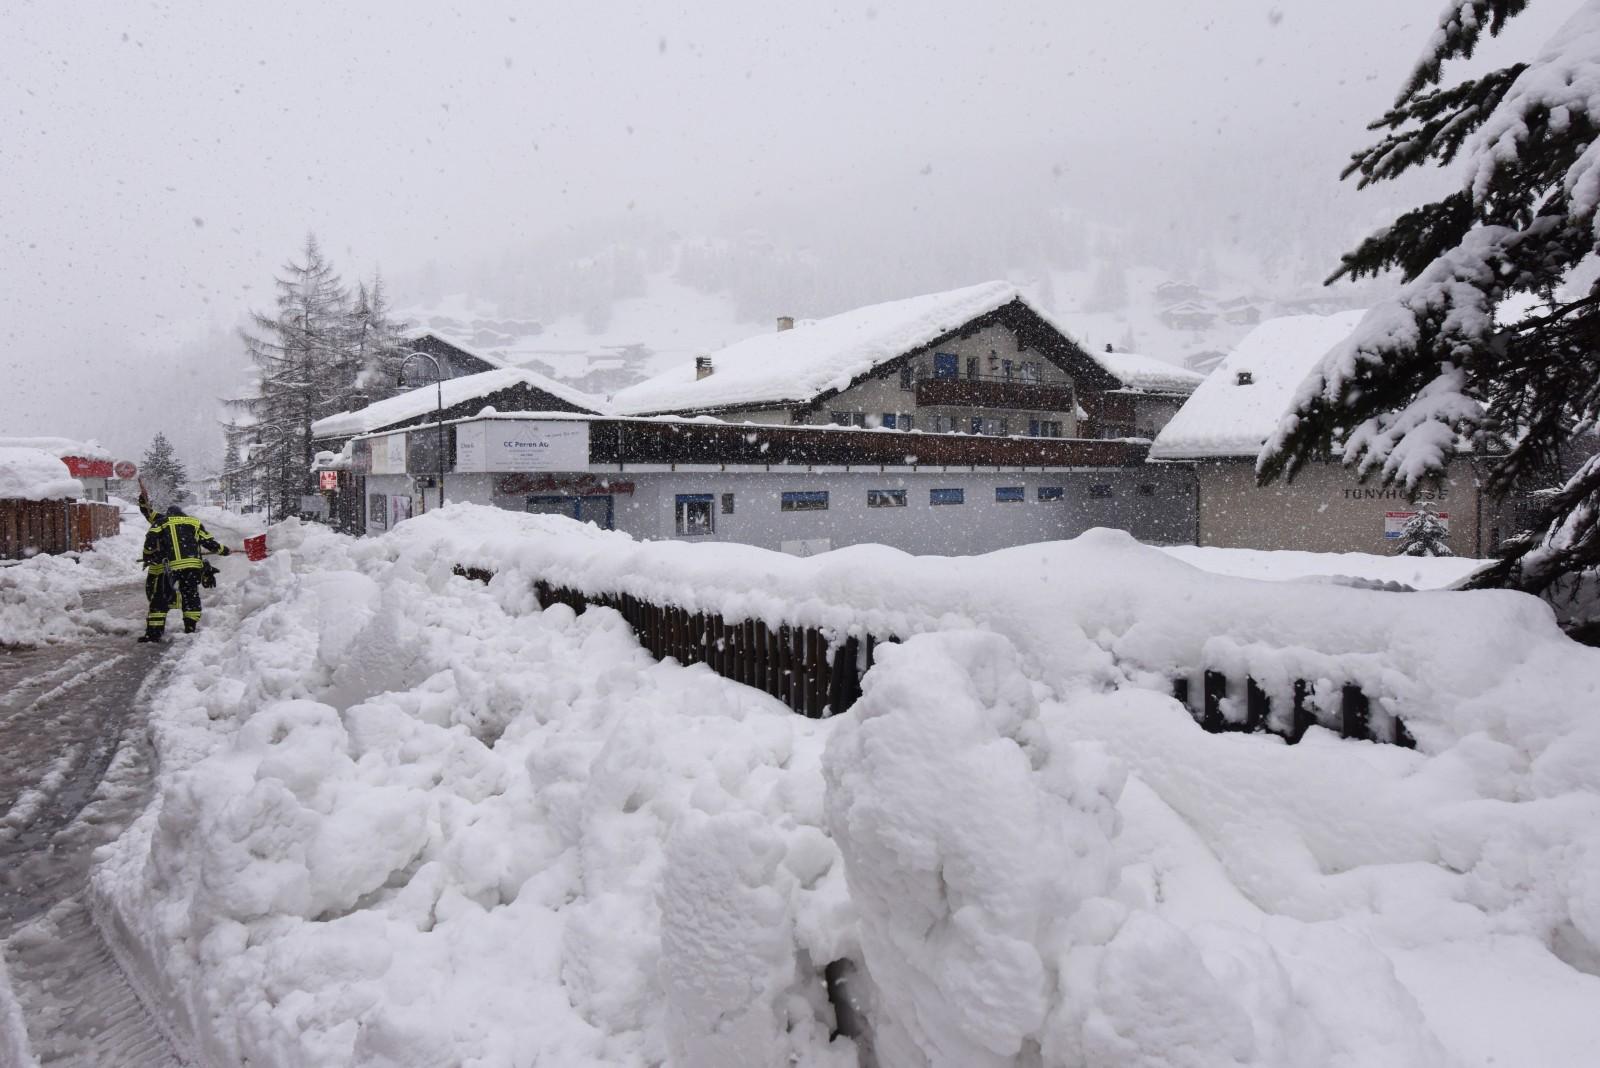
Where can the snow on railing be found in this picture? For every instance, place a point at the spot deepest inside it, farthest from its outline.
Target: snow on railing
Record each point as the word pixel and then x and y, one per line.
pixel 819 673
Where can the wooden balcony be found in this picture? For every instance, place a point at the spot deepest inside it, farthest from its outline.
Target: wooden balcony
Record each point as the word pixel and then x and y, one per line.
pixel 990 392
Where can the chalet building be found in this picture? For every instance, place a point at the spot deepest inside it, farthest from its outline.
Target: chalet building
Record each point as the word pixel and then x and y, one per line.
pixel 1240 311
pixel 1220 430
pixel 501 389
pixel 800 489
pixel 1189 315
pixel 951 423
pixel 1172 292
pixel 980 360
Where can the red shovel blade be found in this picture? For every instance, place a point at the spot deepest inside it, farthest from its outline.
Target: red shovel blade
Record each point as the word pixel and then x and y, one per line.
pixel 256 548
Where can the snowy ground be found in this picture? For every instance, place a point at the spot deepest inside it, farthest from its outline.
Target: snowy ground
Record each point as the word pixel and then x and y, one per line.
pixel 1422 573
pixel 408 819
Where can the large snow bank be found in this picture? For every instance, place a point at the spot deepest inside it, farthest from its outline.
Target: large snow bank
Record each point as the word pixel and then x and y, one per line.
pixel 56 597
pixel 407 819
pixel 35 475
pixel 1418 572
pixel 1227 417
pixel 60 448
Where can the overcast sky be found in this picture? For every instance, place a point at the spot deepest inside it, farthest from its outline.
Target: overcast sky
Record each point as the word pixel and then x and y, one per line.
pixel 159 161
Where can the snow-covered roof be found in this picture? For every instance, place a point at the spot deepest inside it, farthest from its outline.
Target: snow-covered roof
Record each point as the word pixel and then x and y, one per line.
pixel 415 336
pixel 419 402
pixel 788 366
pixel 60 448
pixel 35 475
pixel 1148 373
pixel 1227 418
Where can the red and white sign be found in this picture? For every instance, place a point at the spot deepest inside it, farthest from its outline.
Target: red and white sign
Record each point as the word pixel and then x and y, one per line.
pixel 328 480
pixel 126 469
pixel 80 467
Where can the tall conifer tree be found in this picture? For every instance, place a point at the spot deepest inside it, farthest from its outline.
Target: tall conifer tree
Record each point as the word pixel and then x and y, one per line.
pixel 1443 363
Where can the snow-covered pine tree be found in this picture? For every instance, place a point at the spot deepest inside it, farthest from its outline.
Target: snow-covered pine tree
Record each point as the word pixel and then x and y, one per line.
pixel 1425 534
pixel 163 473
pixel 234 476
pixel 1436 366
pixel 304 370
pixel 377 346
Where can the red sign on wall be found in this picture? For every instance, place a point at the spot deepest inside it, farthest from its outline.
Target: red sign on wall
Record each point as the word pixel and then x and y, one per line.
pixel 329 480
pixel 79 467
pixel 126 469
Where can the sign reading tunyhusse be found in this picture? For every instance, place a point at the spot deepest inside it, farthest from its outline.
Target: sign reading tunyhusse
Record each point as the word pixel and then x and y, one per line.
pixel 522 445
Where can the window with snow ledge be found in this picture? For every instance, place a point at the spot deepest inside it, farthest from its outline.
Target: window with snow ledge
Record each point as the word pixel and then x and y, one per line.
pixel 1100 489
pixel 947 496
pixel 1009 494
pixel 895 498
pixel 1052 493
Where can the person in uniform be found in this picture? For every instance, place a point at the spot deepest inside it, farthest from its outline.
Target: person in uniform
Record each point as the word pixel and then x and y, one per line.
pixel 174 566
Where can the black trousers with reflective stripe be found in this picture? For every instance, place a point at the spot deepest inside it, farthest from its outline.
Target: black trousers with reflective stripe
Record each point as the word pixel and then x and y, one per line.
pixel 182 587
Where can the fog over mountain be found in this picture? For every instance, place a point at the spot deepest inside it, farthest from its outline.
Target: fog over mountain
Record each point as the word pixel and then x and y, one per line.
pixel 551 162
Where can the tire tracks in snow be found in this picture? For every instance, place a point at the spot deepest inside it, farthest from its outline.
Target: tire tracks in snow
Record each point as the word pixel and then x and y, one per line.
pixel 78 771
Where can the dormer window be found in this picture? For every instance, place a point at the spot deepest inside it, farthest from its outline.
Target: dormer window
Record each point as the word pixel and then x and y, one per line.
pixel 1244 378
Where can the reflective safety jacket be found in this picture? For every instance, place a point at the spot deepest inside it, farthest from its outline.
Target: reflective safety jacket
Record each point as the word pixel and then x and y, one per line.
pixel 152 558
pixel 176 545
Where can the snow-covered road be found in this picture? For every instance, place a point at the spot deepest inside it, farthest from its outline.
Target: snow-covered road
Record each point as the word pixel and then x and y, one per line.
pixel 74 770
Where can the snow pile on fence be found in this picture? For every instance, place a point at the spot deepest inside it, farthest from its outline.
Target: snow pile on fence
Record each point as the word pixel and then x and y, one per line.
pixel 1418 572
pixel 1100 610
pixel 30 474
pixel 43 598
pixel 405 818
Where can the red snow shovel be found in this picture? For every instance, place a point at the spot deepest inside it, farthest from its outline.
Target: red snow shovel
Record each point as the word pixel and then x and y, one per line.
pixel 255 548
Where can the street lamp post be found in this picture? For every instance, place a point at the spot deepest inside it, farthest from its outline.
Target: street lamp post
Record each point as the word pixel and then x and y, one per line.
pixel 438 381
pixel 280 430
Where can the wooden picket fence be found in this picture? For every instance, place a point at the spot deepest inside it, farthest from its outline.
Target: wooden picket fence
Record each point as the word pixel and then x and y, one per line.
pixel 817 675
pixel 1354 718
pixel 28 528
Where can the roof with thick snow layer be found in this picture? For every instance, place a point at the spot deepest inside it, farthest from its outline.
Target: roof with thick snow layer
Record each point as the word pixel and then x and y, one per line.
pixel 1225 417
pixel 419 402
pixel 35 475
pixel 817 356
pixel 1148 373
pixel 60 448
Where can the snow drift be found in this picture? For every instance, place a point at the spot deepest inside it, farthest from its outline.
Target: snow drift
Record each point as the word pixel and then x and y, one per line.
pixel 404 818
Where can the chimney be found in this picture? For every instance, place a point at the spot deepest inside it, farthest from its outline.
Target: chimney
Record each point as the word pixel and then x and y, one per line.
pixel 702 367
pixel 1108 347
pixel 785 322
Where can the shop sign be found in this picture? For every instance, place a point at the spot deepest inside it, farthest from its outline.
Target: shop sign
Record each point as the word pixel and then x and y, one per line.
pixel 522 445
pixel 328 480
pixel 389 454
pixel 126 470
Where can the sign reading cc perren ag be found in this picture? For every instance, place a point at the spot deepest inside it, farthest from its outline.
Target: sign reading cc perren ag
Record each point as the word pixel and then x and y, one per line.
pixel 495 445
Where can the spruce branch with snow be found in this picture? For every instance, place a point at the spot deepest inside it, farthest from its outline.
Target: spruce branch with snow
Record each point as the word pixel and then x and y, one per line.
pixel 1435 369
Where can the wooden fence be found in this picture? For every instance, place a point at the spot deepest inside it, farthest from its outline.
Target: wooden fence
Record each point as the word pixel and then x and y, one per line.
pixel 818 676
pixel 1354 718
pixel 28 528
